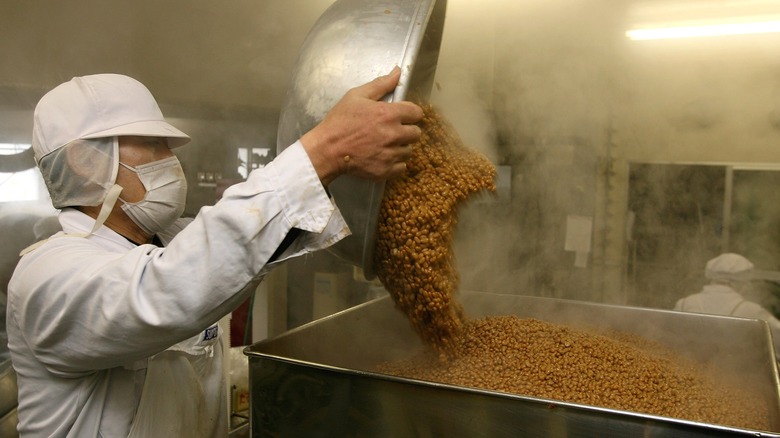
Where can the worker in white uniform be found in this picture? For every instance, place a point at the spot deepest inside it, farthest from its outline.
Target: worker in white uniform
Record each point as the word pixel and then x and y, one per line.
pixel 112 321
pixel 729 278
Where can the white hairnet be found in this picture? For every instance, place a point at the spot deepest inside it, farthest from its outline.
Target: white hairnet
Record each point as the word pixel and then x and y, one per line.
pixel 81 172
pixel 729 267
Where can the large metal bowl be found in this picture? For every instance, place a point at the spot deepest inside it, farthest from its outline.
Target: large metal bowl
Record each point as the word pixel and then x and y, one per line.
pixel 353 42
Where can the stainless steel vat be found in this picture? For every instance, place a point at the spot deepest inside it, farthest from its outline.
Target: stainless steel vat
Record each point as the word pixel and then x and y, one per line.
pixel 353 42
pixel 317 380
pixel 8 388
pixel 8 400
pixel 8 423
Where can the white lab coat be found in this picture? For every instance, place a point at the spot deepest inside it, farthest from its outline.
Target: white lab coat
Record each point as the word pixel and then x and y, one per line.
pixel 719 299
pixel 85 315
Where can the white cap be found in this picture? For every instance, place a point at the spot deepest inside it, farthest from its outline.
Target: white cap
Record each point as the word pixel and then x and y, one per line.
pixel 730 267
pixel 97 106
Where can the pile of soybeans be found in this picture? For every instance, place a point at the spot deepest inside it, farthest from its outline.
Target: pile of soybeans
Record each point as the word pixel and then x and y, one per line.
pixel 612 370
pixel 413 255
pixel 415 262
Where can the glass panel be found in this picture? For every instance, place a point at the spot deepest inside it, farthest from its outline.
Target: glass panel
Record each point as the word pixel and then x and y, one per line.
pixel 678 226
pixel 26 185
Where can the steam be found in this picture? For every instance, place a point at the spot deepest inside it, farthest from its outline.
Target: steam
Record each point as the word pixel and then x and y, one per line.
pixel 553 91
pixel 558 94
pixel 576 110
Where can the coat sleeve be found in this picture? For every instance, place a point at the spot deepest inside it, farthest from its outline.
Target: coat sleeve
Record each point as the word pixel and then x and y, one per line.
pixel 82 307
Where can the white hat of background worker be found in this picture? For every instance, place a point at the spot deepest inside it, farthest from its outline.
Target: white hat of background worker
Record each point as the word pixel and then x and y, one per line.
pixel 729 267
pixel 84 117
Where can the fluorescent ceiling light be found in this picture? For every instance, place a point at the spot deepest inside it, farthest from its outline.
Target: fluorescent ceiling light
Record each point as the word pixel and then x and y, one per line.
pixel 665 19
pixel 703 30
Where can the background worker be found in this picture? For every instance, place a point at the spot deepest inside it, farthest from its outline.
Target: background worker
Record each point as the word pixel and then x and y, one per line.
pixel 729 278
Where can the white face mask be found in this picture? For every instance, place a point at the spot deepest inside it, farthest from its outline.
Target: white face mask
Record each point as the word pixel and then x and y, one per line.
pixel 166 193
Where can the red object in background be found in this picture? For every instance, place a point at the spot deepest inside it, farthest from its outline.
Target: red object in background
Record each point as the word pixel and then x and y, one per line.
pixel 238 325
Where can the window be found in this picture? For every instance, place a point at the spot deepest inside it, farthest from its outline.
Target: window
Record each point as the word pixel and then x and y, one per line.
pixel 23 185
pixel 250 159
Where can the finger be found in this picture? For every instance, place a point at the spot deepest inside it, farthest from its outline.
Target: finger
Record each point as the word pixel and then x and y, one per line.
pixel 404 153
pixel 380 86
pixel 409 134
pixel 408 112
pixel 398 169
